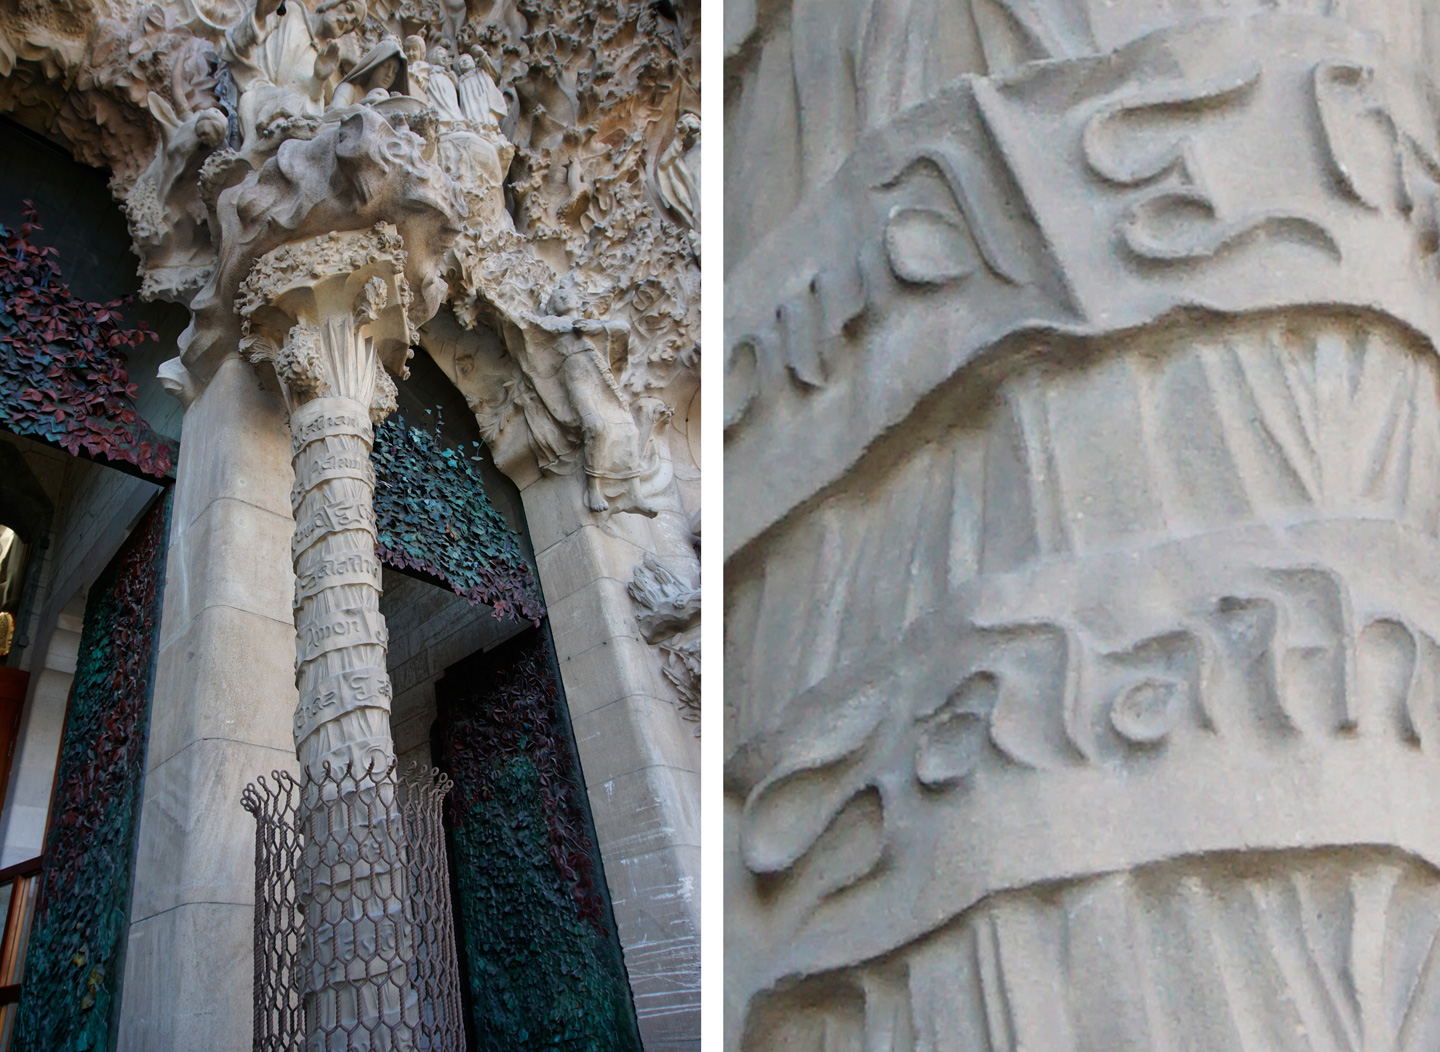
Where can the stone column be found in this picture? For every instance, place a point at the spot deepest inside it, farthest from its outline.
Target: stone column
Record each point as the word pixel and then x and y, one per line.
pixel 1082 645
pixel 327 312
pixel 224 694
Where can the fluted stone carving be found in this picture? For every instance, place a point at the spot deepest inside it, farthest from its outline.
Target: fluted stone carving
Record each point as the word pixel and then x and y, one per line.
pixel 1081 674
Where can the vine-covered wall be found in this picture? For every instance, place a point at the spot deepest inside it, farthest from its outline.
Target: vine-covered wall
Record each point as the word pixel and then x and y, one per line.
pixel 543 967
pixel 74 962
pixel 62 363
pixel 432 516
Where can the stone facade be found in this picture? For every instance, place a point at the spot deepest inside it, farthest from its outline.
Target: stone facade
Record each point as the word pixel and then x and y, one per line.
pixel 327 189
pixel 1080 673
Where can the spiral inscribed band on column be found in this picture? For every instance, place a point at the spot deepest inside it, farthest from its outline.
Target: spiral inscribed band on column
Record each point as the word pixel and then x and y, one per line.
pixel 1083 674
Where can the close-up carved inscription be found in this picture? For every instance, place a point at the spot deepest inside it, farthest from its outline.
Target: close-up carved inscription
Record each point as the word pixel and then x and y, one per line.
pixel 1082 647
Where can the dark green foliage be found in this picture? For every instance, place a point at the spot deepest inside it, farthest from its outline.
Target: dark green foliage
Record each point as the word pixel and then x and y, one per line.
pixel 432 515
pixel 72 967
pixel 62 363
pixel 544 970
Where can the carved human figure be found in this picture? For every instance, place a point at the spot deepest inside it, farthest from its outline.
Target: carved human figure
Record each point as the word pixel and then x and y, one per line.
pixel 677 174
pixel 375 78
pixel 286 65
pixel 574 380
pixel 473 151
pixel 167 216
pixel 442 91
pixel 418 69
pixel 480 97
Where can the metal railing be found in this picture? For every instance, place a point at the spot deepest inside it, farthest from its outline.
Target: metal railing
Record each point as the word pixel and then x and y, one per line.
pixel 354 931
pixel 19 885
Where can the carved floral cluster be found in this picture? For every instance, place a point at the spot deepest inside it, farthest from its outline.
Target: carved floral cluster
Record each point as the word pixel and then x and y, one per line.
pixel 332 253
pixel 62 362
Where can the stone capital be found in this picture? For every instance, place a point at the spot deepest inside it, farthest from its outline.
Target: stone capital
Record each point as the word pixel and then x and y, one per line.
pixel 330 313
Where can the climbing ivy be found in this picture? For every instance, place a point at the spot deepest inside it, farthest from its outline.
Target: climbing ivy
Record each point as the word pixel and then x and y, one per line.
pixel 543 967
pixel 72 967
pixel 432 515
pixel 62 362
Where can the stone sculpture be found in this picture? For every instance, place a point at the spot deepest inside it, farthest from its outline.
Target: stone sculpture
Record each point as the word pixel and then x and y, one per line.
pixel 167 217
pixel 677 175
pixel 378 75
pixel 667 603
pixel 472 149
pixel 341 301
pixel 482 101
pixel 319 251
pixel 574 378
pixel 668 610
pixel 287 66
pixel 530 156
pixel 1081 674
pixel 417 69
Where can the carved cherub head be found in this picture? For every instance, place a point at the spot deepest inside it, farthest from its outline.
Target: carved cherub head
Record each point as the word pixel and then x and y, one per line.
pixel 439 56
pixel 464 64
pixel 414 48
pixel 338 17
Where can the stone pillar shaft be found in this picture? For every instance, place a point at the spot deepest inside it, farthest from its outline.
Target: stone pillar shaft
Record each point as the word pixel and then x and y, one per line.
pixel 338 299
pixel 340 635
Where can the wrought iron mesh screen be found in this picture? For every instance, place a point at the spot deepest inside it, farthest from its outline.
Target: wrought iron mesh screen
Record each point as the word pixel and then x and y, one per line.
pixel 354 932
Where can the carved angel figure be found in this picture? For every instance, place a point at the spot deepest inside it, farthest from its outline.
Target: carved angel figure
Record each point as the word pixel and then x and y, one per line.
pixel 574 380
pixel 419 70
pixel 286 65
pixel 676 177
pixel 166 213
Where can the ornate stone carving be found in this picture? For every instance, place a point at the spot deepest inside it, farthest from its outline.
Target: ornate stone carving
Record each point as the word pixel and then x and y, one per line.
pixel 167 218
pixel 669 616
pixel 41 48
pixel 1090 628
pixel 328 313
pixel 504 147
pixel 306 286
pixel 677 174
pixel 667 604
pixel 571 360
pixel 354 173
pixel 288 66
pixel 682 671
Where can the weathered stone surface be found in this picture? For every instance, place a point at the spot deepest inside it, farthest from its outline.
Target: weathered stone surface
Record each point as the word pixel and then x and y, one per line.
pixel 1081 650
pixel 220 715
pixel 169 1002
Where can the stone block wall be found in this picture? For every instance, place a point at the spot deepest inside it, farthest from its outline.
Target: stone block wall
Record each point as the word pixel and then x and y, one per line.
pixel 430 629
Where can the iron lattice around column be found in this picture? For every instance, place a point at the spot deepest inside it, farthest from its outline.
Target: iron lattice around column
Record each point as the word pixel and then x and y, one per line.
pixel 364 869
